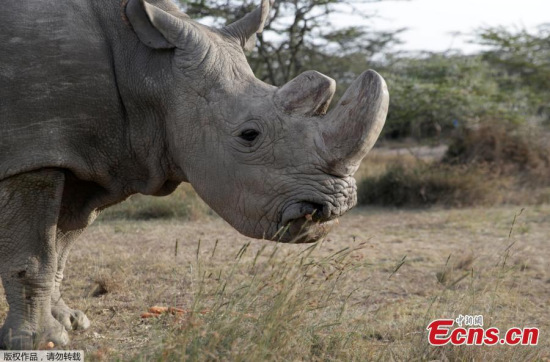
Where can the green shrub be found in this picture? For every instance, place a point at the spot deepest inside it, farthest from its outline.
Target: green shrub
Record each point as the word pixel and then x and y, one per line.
pixel 424 185
pixel 484 165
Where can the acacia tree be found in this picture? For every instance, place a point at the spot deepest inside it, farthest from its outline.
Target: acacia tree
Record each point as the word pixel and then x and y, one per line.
pixel 523 61
pixel 507 83
pixel 435 93
pixel 301 35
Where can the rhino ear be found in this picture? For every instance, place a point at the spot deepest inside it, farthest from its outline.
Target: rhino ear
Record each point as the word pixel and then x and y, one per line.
pixel 245 29
pixel 155 27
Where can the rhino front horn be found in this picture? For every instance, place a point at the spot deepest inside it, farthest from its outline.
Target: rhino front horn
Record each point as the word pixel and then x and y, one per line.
pixel 350 130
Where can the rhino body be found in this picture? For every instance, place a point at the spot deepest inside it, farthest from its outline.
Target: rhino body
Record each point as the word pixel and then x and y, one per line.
pixel 100 100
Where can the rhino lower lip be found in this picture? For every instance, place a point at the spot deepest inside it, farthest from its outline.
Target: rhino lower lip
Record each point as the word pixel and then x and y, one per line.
pixel 303 230
pixel 303 222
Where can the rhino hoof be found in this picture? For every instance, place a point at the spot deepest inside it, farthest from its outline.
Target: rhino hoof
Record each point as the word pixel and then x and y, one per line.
pixel 71 319
pixel 23 339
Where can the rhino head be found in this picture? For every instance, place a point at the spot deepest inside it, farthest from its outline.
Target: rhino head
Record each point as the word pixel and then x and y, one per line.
pixel 269 160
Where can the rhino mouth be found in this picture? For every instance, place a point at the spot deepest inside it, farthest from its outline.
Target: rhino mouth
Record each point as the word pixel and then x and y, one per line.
pixel 305 222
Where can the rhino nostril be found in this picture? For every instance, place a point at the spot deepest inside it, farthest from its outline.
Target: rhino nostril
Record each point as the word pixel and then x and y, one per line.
pixel 316 212
pixel 313 211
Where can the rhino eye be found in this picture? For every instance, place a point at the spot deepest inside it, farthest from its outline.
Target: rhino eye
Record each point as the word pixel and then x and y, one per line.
pixel 249 135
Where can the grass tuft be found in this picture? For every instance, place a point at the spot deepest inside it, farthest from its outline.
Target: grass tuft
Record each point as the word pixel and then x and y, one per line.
pixel 265 306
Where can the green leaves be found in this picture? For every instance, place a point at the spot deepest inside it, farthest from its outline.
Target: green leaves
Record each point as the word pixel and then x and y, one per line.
pixel 509 82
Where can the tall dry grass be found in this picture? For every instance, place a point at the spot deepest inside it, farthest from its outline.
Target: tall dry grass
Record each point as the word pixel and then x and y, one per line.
pixel 279 304
pixel 522 152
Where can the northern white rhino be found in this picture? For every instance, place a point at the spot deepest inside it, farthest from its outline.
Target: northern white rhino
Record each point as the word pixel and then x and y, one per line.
pixel 100 100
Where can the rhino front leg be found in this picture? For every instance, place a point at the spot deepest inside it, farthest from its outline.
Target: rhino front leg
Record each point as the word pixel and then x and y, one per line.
pixel 69 318
pixel 29 208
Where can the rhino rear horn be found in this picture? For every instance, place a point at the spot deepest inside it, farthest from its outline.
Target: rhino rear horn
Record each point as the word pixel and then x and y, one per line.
pixel 245 29
pixel 308 94
pixel 158 28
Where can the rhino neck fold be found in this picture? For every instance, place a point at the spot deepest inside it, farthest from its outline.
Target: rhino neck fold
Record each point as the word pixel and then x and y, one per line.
pixel 142 81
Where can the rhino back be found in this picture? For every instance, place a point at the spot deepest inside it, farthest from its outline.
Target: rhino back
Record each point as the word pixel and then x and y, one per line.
pixel 58 92
pixel 61 103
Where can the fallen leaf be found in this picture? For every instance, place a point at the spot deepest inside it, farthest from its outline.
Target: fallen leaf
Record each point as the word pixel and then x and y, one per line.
pixel 149 315
pixel 158 310
pixel 176 311
pixel 49 345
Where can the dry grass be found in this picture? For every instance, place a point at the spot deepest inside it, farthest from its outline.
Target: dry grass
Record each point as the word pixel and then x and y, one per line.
pixel 183 204
pixel 367 292
pixel 380 159
pixel 519 151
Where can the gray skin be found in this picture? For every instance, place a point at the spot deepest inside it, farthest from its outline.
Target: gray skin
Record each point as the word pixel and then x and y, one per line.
pixel 100 100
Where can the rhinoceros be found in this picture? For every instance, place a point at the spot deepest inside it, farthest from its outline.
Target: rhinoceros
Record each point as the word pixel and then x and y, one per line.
pixel 100 100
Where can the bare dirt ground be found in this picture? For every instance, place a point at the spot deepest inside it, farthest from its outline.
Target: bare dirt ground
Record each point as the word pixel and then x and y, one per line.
pixel 404 268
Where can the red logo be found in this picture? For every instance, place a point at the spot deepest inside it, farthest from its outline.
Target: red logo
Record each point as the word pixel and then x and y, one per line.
pixel 441 332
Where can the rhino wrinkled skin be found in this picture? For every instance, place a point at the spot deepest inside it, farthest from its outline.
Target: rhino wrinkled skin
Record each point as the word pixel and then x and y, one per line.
pixel 100 100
